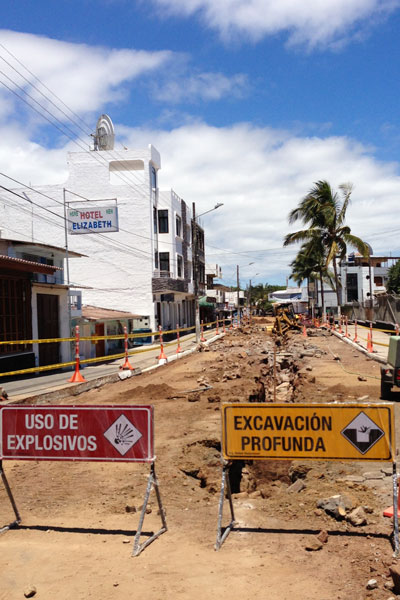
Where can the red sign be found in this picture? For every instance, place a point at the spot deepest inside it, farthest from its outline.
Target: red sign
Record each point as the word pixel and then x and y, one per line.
pixel 103 433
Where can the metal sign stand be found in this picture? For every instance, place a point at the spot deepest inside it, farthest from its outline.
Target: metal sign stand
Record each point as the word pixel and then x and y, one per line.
pixel 11 497
pixel 395 512
pixel 153 481
pixel 221 537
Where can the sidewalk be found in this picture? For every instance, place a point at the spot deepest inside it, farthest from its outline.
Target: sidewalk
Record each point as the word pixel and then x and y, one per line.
pixel 380 341
pixel 56 385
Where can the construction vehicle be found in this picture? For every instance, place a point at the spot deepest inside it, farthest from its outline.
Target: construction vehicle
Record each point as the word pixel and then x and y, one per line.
pixel 390 372
pixel 285 319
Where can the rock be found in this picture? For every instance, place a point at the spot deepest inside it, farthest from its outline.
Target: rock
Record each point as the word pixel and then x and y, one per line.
pixel 130 509
pixel 214 398
pixel 361 378
pixel 30 591
pixel 357 517
pixel 372 584
pixel 323 536
pixel 314 545
pixel 126 541
pixel 124 374
pixel 193 397
pixel 336 506
pixel 283 386
pixel 297 486
pixel 374 475
pixel 388 585
pixel 298 471
pixel 362 398
pixel 354 478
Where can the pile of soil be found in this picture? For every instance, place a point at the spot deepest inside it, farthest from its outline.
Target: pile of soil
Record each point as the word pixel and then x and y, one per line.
pixel 79 519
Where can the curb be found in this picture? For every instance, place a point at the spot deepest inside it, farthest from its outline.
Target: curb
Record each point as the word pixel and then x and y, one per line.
pixel 80 388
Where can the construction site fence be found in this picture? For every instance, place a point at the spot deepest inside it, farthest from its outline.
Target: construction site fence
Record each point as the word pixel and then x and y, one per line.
pixel 109 357
pixel 384 309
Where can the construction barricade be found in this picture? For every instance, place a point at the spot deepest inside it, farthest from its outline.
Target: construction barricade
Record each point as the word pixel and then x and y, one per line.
pixel 76 433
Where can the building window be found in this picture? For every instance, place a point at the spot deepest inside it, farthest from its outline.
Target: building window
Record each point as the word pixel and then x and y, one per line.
pixel 180 265
pixel 155 219
pixel 153 177
pixel 163 221
pixel 178 222
pixel 352 287
pixel 156 259
pixel 164 261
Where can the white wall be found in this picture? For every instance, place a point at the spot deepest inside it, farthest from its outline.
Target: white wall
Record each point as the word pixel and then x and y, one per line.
pixel 119 266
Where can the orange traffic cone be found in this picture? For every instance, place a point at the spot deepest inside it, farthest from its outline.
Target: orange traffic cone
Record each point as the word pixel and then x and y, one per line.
pixel 304 333
pixel 162 358
pixel 178 349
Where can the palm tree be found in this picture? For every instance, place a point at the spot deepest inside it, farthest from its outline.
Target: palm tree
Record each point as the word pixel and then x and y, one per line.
pixel 325 212
pixel 310 263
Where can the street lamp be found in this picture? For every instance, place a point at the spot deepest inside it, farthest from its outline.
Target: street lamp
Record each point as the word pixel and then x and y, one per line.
pixel 195 270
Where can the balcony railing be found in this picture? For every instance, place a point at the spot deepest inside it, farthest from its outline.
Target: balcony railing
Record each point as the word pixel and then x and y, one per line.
pixel 160 273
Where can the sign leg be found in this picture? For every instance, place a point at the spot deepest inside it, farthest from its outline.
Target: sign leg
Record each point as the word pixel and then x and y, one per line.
pixel 152 481
pixel 11 498
pixel 221 537
pixel 395 512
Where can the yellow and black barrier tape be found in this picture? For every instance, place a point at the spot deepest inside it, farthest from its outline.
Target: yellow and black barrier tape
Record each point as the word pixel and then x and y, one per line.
pixel 36 369
pixel 41 341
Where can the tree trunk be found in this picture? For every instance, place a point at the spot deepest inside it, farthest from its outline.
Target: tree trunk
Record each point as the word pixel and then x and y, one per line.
pixel 322 294
pixel 337 285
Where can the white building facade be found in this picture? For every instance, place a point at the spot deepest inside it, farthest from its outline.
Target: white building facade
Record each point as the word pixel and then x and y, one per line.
pixel 145 267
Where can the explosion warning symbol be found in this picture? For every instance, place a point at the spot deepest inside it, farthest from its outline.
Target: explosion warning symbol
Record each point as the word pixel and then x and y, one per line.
pixel 122 434
pixel 362 433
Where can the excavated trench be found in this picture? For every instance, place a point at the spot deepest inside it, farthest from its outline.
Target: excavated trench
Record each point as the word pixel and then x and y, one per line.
pixel 260 370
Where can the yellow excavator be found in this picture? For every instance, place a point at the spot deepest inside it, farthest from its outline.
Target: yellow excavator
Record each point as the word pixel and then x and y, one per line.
pixel 285 319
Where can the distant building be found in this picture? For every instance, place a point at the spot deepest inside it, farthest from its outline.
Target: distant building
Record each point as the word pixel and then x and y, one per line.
pixel 137 241
pixel 33 304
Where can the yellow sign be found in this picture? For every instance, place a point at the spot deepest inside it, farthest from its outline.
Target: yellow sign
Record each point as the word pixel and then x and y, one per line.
pixel 308 431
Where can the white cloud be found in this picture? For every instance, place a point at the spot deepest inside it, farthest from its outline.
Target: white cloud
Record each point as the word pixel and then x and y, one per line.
pixel 199 87
pixel 260 174
pixel 313 22
pixel 85 77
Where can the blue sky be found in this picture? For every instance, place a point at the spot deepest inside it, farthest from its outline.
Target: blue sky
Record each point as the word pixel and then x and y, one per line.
pixel 249 102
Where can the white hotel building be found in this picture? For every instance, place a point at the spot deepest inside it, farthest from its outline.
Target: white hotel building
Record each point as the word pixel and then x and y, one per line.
pixel 145 267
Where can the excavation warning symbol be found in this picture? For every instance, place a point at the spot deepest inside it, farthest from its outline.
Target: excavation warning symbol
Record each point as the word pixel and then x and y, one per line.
pixel 362 433
pixel 122 434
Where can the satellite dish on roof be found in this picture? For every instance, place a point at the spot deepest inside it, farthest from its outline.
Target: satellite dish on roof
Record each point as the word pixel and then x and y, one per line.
pixel 105 135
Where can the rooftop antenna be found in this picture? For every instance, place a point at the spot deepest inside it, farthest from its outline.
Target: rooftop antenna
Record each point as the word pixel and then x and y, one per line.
pixel 105 135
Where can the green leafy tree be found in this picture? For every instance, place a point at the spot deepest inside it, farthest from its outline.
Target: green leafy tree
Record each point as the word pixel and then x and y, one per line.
pixel 393 284
pixel 324 211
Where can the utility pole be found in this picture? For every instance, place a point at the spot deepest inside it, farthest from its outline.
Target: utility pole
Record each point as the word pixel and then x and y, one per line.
pixel 195 277
pixel 238 295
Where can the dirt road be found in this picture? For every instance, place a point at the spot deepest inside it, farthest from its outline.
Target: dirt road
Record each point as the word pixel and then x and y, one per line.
pixel 79 520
